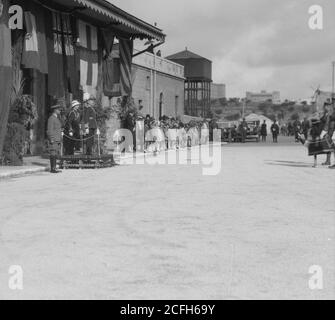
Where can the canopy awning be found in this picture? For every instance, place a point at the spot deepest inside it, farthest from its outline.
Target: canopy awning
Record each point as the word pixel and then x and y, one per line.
pixel 112 16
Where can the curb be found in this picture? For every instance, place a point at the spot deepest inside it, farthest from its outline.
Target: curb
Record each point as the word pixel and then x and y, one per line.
pixel 30 171
pixel 21 172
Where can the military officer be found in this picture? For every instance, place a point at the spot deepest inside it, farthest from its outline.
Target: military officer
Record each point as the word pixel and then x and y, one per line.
pixel 72 130
pixel 90 122
pixel 55 136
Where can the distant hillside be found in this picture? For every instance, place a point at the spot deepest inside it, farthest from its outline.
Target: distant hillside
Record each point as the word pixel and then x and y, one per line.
pixel 232 109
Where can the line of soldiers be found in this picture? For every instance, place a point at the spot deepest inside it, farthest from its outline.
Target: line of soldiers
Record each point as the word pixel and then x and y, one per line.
pixel 78 129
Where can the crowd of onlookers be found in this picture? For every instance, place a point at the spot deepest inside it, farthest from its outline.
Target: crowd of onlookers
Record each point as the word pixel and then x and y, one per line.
pixel 170 132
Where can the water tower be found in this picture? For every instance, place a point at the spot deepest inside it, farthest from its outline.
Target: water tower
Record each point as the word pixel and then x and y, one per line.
pixel 198 74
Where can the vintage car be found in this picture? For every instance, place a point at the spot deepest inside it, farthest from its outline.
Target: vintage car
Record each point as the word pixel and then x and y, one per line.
pixel 253 132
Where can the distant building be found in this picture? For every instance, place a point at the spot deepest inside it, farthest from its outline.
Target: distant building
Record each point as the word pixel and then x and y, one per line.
pixel 264 96
pixel 218 91
pixel 198 74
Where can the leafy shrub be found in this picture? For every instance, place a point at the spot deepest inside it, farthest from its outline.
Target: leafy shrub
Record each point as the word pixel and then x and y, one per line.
pixel 16 138
pixel 295 116
pixel 23 113
pixel 233 117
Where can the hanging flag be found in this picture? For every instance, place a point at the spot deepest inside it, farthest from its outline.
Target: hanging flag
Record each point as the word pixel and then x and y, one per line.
pixel 34 54
pixel 126 56
pixel 108 69
pixel 56 87
pixel 89 65
pixel 63 69
pixel 71 58
pixel 5 70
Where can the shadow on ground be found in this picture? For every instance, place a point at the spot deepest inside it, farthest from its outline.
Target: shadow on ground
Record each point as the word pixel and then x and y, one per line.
pixel 289 164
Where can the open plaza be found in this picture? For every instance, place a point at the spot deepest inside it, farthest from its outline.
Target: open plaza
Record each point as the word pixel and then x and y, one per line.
pixel 254 231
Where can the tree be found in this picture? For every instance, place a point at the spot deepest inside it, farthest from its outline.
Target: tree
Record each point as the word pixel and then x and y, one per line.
pixel 234 117
pixel 295 116
pixel 223 101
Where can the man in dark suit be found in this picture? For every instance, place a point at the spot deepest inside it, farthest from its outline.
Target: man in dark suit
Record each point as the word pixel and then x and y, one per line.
pixel 264 131
pixel 55 137
pixel 275 131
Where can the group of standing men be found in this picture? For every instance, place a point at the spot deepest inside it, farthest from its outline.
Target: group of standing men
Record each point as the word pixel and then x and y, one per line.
pixel 76 131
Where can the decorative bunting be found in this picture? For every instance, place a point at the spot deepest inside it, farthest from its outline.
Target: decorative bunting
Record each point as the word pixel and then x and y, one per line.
pixel 88 41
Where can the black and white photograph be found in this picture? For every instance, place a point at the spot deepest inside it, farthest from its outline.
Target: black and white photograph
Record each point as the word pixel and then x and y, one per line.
pixel 177 150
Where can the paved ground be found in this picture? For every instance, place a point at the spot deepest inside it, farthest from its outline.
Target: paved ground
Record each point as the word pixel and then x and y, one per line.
pixel 144 232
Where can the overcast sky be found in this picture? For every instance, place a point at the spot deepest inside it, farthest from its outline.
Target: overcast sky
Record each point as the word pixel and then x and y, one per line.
pixel 254 44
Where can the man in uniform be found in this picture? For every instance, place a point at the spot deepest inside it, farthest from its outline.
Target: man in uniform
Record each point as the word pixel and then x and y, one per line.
pixel 55 136
pixel 90 122
pixel 72 130
pixel 275 131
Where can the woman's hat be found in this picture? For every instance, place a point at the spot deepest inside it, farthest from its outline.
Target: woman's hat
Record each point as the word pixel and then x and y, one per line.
pixel 75 103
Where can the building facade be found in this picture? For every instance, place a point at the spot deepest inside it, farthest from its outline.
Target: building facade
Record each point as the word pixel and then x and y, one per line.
pixel 158 86
pixel 63 51
pixel 263 96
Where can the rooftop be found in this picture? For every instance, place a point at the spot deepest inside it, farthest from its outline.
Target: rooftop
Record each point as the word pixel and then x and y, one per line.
pixel 109 16
pixel 184 55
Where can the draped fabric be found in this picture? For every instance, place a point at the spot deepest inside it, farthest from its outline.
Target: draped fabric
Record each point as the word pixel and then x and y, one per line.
pixel 56 85
pixel 35 46
pixel 126 53
pixel 89 64
pixel 63 69
pixel 108 68
pixel 72 61
pixel 5 71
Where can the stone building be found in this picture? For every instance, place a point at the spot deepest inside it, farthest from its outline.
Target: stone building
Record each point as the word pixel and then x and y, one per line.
pixel 158 85
pixel 263 96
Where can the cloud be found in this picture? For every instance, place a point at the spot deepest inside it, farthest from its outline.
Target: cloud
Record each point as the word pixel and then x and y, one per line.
pixel 254 45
